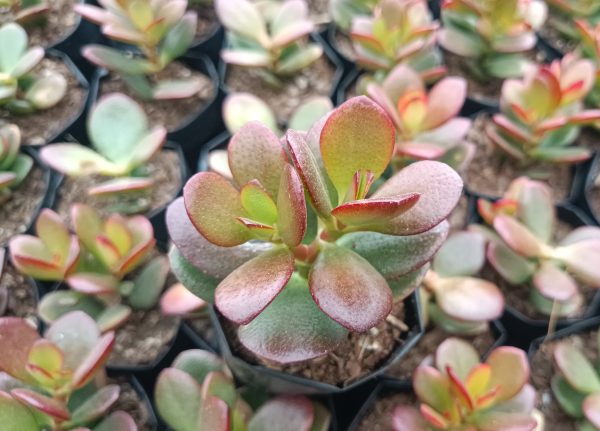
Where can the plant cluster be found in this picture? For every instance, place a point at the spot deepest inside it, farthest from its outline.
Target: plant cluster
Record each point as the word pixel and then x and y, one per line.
pixel 197 393
pixel 590 48
pixel 491 36
pixel 277 266
pixel 14 166
pixel 541 114
pixel 21 90
pixel 343 12
pixel 522 248
pixel 427 127
pixel 160 30
pixel 54 382
pixel 567 12
pixel 461 393
pixel 26 11
pixel 97 263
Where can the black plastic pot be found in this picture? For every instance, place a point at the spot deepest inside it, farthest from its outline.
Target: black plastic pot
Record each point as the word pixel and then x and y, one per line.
pixel 584 200
pixel 194 130
pixel 347 62
pixel 581 327
pixel 143 395
pixel 435 8
pixel 196 340
pixel 210 44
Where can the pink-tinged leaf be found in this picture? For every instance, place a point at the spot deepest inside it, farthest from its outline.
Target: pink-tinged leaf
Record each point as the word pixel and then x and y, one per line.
pixel 75 333
pixel 44 404
pixel 293 33
pixel 591 409
pixel 337 283
pixel 457 354
pixel 246 57
pixel 291 207
pixel 470 299
pixel 369 211
pixel 213 206
pixel 214 414
pixel 421 150
pixel 511 266
pixel 506 421
pixel 310 172
pixel 576 368
pixel 511 129
pixel 503 144
pixel 581 260
pixel 251 140
pixel 284 413
pixel 405 418
pixel 94 361
pixel 248 290
pixel 432 388
pixel 178 301
pixel 553 283
pixel 448 134
pixel 510 371
pixel 358 135
pixel 585 117
pixel 117 421
pixel 93 284
pixel 178 399
pixel 440 188
pixel 219 384
pixel 121 185
pixel 50 228
pixel 17 337
pixel 445 100
pixel 92 13
pixel 581 234
pixel 242 17
pixel 460 391
pixel 378 94
pixel 433 417
pixel 517 236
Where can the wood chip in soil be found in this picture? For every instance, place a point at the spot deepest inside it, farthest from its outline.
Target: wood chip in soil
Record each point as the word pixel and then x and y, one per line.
pixel 359 355
pixel 207 19
pixel 130 402
pixel 542 370
pixel 379 416
pixel 60 22
pixel 554 38
pixel 18 212
pixel 21 298
pixel 170 113
pixel 423 352
pixel 164 169
pixel 315 80
pixel 491 171
pixel 40 127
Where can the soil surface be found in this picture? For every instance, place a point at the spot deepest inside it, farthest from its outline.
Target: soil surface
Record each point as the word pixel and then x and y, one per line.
pixel 19 211
pixel 459 218
pixel 491 171
pixel 40 127
pixel 379 416
pixel 207 19
pixel 164 169
pixel 172 114
pixel 315 80
pixel 130 402
pixel 203 327
pixel 21 298
pixel 359 355
pixel 542 370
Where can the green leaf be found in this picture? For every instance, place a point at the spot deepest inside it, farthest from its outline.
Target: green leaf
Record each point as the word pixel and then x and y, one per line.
pixel 149 284
pixel 506 65
pixel 191 277
pixel 178 399
pixel 113 59
pixel 569 399
pixel 56 304
pixel 463 254
pixel 576 368
pixel 178 39
pixel 14 416
pixel 13 43
pixel 198 363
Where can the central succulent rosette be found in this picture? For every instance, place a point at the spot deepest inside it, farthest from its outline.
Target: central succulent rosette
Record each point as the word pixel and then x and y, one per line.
pixel 299 248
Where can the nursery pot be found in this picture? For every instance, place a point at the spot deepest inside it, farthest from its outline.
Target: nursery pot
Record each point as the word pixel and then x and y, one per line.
pixel 346 61
pixel 210 44
pixel 35 293
pixel 590 193
pixel 142 395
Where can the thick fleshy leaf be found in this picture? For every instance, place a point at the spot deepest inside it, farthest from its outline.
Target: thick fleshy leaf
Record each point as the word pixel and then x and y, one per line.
pixel 358 135
pixel 149 283
pixel 463 254
pixel 178 399
pixel 510 371
pixel 440 188
pixel 96 406
pixel 179 301
pixel 569 398
pixel 553 283
pixel 93 284
pixel 17 337
pixel 241 108
pixel 284 413
pixel 113 59
pixel 246 292
pixel 505 421
pixel 536 209
pixel 94 360
pixel 198 363
pixel 292 328
pixel 242 17
pixel 214 414
pixel 432 388
pixel 58 303
pixel 576 368
pixel 369 211
pixel 512 267
pixel 112 317
pixel 468 298
pixel 309 113
pixel 14 415
pixel 405 418
pixel 258 203
pixel 220 385
pixel 591 409
pixel 337 283
pixel 76 334
pixel 40 402
pixel 457 354
pixel 445 101
pixel 517 236
pixel 117 421
pixel 118 186
pixel 291 207
pixel 580 259
pixel 31 257
pixel 196 281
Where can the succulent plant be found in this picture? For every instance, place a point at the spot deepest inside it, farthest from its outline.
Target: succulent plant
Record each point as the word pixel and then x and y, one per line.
pixel 576 385
pixel 26 11
pixel 14 166
pixel 344 11
pixel 492 35
pixel 124 142
pixel 273 39
pixel 96 263
pixel 522 249
pixel 22 91
pixel 565 12
pixel 197 393
pixel 277 266
pixel 454 299
pixel 426 124
pixel 3 286
pixel 398 32
pixel 160 30
pixel 461 393
pixel 542 113
pixel 52 383
pixel 590 48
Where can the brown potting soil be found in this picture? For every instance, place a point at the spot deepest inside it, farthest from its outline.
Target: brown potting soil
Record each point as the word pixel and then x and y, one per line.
pixel 21 300
pixel 379 416
pixel 207 18
pixel 130 402
pixel 458 218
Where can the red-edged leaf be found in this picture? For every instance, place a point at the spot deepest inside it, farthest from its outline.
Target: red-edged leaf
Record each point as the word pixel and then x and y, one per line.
pixel 405 418
pixel 337 283
pixel 433 417
pixel 121 185
pixel 368 211
pixel 251 287
pixel 42 403
pixel 460 390
pixel 432 388
pixel 15 416
pixel 94 360
pixel 93 284
pixel 214 415
pixel 16 338
pixel 517 236
pixel 510 371
pixel 178 301
pixel 291 207
pixel 96 405
pixel 470 299
pixel 284 413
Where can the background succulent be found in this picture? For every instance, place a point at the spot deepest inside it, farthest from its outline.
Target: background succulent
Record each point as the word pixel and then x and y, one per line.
pixel 565 12
pixel 14 165
pixel 344 11
pixel 26 11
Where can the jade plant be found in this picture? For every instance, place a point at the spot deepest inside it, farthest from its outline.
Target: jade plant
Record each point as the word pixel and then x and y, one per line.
pixel 23 91
pixel 523 249
pixel 292 275
pixel 426 122
pixel 492 36
pixel 541 114
pixel 54 382
pixel 344 11
pixel 97 263
pixel 197 393
pixel 590 48
pixel 275 40
pixel 454 299
pixel 566 12
pixel 398 32
pixel 26 11
pixel 14 166
pixel 576 385
pixel 123 142
pixel 160 30
pixel 461 393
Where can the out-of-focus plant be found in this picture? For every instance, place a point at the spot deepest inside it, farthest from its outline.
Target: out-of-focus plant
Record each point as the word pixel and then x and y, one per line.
pixel 565 12
pixel 398 32
pixel 26 11
pixel 590 48
pixel 123 143
pixel 454 299
pixel 274 39
pixel 14 166
pixel 21 90
pixel 461 393
pixel 54 381
pixel 522 248
pixel 160 30
pixel 343 12
pixel 427 126
pixel 492 35
pixel 277 266
pixel 541 114
pixel 97 263
pixel 3 286
pixel 197 393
